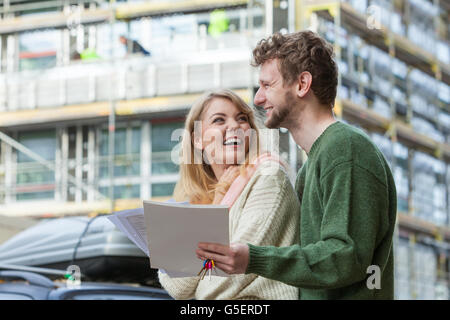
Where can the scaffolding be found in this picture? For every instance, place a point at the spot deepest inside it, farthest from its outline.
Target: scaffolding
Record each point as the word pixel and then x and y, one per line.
pixel 422 236
pixel 389 85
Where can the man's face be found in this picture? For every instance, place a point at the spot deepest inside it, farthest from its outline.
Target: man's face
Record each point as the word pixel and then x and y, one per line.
pixel 276 100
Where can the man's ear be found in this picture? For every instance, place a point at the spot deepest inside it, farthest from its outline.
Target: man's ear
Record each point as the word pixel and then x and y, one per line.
pixel 303 85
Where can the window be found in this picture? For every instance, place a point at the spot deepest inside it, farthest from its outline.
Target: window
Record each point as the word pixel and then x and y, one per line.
pixel 112 296
pixel 123 191
pixel 162 146
pixel 14 296
pixel 127 146
pixel 172 34
pixel 162 189
pixel 33 179
pixel 126 150
pixel 38 49
pixel 108 47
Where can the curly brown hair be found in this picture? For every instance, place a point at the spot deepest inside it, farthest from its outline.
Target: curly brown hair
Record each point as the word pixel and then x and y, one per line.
pixel 299 52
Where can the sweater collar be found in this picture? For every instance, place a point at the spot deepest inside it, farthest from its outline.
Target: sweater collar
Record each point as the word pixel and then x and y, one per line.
pixel 316 143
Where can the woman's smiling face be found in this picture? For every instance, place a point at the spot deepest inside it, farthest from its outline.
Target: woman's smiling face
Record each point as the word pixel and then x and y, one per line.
pixel 225 136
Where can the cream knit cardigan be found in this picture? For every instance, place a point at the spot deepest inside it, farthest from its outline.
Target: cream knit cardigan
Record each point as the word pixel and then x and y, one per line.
pixel 266 213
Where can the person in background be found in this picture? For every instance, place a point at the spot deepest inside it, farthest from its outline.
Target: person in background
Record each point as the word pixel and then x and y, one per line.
pixel 133 46
pixel 346 189
pixel 218 22
pixel 263 212
pixel 88 54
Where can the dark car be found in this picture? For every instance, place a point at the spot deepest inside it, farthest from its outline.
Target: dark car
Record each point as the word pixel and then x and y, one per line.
pixel 101 251
pixel 24 285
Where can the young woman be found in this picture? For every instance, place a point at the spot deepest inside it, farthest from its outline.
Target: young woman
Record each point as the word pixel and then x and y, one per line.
pixel 221 143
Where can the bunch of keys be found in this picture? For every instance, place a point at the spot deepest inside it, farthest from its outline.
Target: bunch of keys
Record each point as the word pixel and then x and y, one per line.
pixel 208 265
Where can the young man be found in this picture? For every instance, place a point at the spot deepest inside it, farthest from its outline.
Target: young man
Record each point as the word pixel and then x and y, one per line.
pixel 346 189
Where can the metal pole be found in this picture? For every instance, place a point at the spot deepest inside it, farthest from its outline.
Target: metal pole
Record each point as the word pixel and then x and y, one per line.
pixel 269 17
pixel 112 112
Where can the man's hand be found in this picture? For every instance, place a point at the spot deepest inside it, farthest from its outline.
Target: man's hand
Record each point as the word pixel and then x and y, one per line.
pixel 231 259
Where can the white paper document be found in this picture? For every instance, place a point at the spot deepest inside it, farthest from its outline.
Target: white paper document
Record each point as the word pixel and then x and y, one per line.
pixel 132 224
pixel 168 232
pixel 174 231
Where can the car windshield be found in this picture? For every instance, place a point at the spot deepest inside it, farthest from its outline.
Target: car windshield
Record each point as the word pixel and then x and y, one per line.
pixel 14 296
pixel 111 296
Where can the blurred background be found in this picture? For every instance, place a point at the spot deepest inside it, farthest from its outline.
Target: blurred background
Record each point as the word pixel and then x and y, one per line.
pixel 91 92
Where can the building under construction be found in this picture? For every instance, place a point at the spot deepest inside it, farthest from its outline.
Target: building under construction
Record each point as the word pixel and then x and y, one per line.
pixel 91 92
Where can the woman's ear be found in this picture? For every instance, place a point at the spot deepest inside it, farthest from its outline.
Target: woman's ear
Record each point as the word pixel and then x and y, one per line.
pixel 197 141
pixel 303 84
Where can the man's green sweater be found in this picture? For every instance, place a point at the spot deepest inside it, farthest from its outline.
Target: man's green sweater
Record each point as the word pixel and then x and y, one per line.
pixel 348 211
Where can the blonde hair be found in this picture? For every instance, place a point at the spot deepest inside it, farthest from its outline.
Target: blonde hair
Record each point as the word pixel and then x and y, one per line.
pixel 197 182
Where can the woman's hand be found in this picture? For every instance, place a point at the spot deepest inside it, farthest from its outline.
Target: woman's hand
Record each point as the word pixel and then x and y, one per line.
pixel 227 178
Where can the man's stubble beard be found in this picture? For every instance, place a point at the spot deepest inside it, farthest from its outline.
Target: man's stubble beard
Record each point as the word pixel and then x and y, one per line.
pixel 280 117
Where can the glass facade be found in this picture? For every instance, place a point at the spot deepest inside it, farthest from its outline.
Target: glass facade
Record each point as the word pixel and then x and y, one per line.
pixel 129 191
pixel 38 49
pixel 126 152
pixel 128 174
pixel 164 139
pixel 33 179
pixel 162 189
